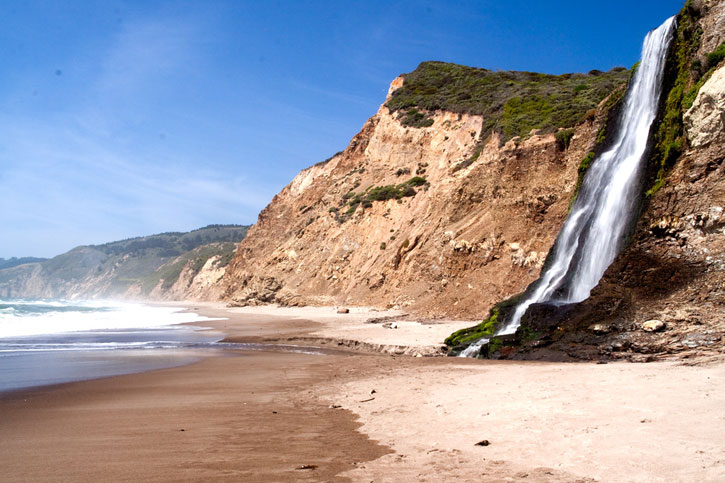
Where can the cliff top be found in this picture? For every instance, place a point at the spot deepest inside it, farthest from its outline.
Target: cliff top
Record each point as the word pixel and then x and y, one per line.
pixel 510 102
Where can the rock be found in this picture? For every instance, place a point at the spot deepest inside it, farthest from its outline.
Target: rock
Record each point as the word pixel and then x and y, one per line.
pixel 306 467
pixel 599 329
pixel 705 120
pixel 653 326
pixel 343 310
pixel 483 442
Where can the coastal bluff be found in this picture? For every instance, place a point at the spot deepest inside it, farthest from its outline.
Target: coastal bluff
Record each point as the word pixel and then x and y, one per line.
pixel 449 199
pixel 431 210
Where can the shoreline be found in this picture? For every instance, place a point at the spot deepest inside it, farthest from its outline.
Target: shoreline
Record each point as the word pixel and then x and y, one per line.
pixel 357 416
pixel 233 415
pixel 363 329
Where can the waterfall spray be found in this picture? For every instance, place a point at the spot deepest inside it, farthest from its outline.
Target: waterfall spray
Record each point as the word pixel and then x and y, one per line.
pixel 595 230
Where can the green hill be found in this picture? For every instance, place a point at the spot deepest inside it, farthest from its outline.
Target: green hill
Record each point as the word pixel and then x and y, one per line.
pixel 112 269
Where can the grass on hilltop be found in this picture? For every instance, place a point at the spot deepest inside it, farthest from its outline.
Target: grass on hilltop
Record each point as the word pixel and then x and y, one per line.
pixel 512 103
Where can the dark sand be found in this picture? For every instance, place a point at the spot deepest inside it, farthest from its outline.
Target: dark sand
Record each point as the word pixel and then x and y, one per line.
pixel 245 417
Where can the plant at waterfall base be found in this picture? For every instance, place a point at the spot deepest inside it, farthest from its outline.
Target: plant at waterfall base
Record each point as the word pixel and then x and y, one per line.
pixel 487 327
pixel 472 334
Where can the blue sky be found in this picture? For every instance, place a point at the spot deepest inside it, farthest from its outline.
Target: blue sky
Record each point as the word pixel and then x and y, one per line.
pixel 129 118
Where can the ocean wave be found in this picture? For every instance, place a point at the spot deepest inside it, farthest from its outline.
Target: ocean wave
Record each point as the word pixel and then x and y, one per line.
pixel 32 317
pixel 97 346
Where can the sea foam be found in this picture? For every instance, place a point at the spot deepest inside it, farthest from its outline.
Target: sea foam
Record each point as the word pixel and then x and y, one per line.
pixel 20 318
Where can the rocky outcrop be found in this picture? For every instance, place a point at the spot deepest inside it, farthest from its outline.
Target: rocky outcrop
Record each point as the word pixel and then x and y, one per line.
pixel 193 282
pixel 705 120
pixel 475 226
pixel 712 22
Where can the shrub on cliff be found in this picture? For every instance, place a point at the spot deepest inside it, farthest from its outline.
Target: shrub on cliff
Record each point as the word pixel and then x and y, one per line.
pixel 510 102
pixel 563 138
pixel 716 56
pixel 680 88
pixel 382 193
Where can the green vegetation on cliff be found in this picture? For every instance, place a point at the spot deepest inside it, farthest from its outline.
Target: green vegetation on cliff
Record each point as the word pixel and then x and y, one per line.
pixel 510 102
pixel 174 244
pixel 487 328
pixel 472 334
pixel 682 72
pixel 382 193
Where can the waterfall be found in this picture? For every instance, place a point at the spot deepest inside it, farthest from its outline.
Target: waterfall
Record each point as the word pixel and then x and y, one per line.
pixel 595 230
pixel 475 348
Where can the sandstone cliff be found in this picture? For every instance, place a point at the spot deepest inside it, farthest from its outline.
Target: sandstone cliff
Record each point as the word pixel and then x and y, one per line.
pixel 474 225
pixel 487 206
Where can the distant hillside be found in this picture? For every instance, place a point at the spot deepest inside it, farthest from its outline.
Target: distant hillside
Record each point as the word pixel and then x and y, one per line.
pixel 14 261
pixel 141 267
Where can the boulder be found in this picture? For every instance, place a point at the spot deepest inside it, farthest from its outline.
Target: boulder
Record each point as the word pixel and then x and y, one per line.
pixel 600 329
pixel 653 326
pixel 705 120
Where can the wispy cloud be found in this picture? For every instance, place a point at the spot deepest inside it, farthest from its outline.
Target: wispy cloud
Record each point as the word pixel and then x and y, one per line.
pixel 87 172
pixel 67 181
pixel 338 95
pixel 145 52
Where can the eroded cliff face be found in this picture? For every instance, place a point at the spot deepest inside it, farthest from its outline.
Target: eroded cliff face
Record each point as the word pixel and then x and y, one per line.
pixel 477 229
pixel 32 281
pixel 193 284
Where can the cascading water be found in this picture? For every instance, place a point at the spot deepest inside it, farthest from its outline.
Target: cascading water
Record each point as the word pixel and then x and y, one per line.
pixel 605 209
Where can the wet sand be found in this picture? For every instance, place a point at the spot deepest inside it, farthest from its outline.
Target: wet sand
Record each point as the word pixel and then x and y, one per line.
pixel 249 417
pixel 258 416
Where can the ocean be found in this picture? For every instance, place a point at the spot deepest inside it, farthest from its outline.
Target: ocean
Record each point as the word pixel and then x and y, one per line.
pixel 46 342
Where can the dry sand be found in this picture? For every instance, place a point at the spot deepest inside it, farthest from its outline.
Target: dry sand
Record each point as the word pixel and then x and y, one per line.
pixel 544 421
pixel 257 416
pixel 362 329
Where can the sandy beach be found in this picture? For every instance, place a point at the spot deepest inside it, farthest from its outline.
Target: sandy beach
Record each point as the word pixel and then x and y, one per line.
pixel 372 412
